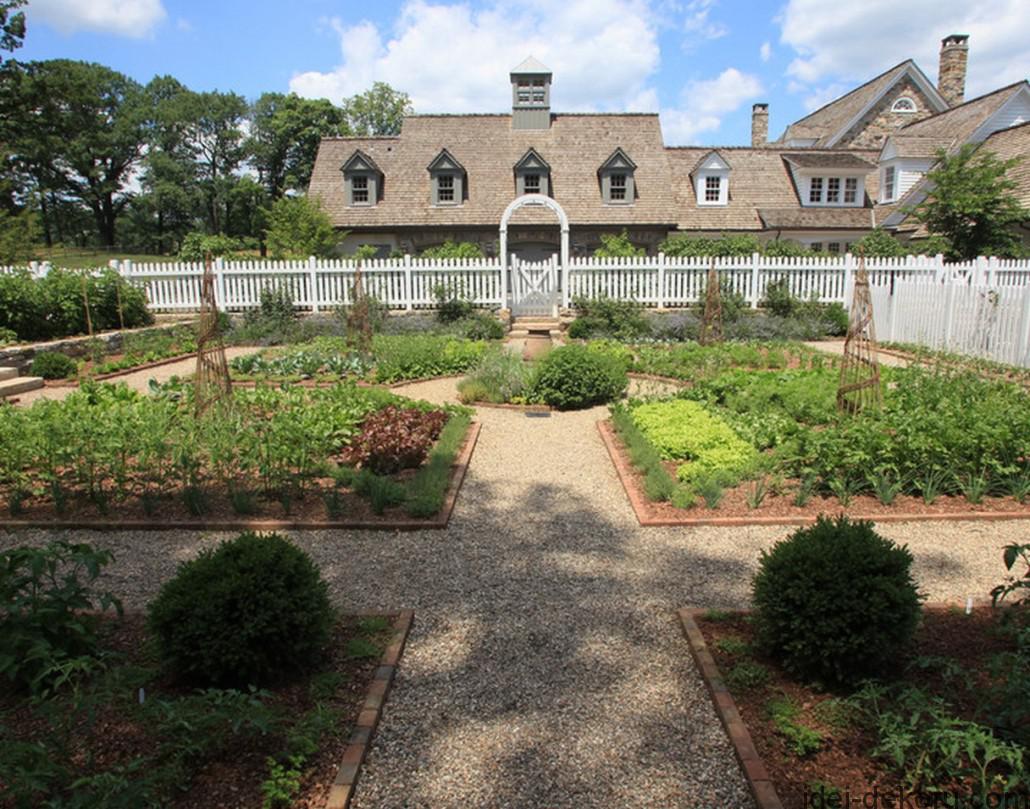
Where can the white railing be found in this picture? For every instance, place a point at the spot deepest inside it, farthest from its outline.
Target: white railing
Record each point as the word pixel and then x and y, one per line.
pixel 979 307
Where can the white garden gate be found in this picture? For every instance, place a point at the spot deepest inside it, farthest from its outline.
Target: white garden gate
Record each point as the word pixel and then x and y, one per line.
pixel 535 287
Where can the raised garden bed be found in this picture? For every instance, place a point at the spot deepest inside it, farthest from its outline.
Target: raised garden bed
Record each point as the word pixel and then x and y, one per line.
pixel 110 458
pixel 770 447
pixel 179 747
pixel 801 746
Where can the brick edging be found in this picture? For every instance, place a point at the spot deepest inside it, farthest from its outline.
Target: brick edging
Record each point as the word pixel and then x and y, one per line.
pixel 669 380
pixel 751 763
pixel 627 477
pixel 440 521
pixel 342 790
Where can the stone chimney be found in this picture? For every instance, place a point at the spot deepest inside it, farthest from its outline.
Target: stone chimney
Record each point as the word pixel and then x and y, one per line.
pixel 759 125
pixel 951 77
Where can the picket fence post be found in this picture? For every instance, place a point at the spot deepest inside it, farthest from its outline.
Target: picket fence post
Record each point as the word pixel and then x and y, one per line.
pixel 992 271
pixel 313 283
pixel 755 275
pixel 949 313
pixel 892 312
pixel 660 303
pixel 849 279
pixel 408 292
pixel 1023 339
pixel 219 283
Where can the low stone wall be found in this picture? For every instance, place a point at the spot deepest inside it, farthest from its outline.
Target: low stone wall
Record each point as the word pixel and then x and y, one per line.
pixel 20 356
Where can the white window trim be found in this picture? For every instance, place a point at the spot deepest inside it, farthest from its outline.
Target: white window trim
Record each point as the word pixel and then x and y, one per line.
pixel 893 196
pixel 702 184
pixel 911 109
pixel 823 202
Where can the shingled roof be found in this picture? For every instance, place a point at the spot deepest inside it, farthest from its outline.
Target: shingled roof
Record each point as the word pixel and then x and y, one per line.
pixel 818 218
pixel 833 119
pixel 1011 143
pixel 828 160
pixel 760 181
pixel 575 146
pixel 960 123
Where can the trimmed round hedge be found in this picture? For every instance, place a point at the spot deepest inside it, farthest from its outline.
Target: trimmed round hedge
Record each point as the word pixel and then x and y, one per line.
pixel 836 602
pixel 246 613
pixel 53 365
pixel 573 376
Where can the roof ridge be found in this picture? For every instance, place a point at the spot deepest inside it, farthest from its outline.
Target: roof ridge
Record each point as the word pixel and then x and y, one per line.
pixel 1006 129
pixel 965 103
pixel 855 90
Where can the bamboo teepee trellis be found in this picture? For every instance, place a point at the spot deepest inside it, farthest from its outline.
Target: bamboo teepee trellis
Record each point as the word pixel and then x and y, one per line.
pixel 859 387
pixel 711 325
pixel 211 383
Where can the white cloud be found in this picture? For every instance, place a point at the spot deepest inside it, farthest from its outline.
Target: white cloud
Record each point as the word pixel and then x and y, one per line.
pixel 703 104
pixel 129 18
pixel 698 22
pixel 855 41
pixel 452 58
pixel 765 51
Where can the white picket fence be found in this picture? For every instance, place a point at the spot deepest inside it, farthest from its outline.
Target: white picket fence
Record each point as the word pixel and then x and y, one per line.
pixel 979 307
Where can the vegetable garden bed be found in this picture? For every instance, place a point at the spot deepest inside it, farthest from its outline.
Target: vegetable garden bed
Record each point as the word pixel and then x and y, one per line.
pixel 344 456
pixel 926 729
pixel 769 447
pixel 129 735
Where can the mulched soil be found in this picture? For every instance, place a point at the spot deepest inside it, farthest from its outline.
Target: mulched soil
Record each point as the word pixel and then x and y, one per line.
pixel 233 780
pixel 844 761
pixel 780 503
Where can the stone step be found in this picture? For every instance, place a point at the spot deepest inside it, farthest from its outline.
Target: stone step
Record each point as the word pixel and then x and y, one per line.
pixel 536 324
pixel 20 384
pixel 8 373
pixel 521 333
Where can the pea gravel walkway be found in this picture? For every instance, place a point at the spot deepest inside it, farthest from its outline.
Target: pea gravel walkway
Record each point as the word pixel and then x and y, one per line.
pixel 545 668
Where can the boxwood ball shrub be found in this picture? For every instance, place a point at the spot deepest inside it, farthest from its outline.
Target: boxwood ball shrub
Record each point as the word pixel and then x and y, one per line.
pixel 573 376
pixel 52 365
pixel 836 602
pixel 248 612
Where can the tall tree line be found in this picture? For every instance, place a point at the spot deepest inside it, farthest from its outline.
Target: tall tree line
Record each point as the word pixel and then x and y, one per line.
pixel 96 158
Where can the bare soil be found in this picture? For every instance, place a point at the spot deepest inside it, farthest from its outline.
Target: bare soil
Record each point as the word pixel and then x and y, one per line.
pixel 844 761
pixel 233 779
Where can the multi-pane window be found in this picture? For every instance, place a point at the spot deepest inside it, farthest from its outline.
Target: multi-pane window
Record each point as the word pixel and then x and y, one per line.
pixel 850 190
pixel 713 189
pixel 524 91
pixel 815 190
pixel 538 91
pixel 531 183
pixel 445 188
pixel 888 184
pixel 359 190
pixel 617 187
pixel 833 189
pixel 833 247
pixel 816 247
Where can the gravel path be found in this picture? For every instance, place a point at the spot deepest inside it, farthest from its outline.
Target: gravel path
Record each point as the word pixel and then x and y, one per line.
pixel 545 668
pixel 137 380
pixel 837 347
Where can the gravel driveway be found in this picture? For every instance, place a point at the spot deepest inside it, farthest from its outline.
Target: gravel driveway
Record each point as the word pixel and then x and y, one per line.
pixel 545 668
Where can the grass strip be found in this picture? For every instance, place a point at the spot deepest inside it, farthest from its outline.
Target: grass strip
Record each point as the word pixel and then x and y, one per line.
pixel 427 490
pixel 659 485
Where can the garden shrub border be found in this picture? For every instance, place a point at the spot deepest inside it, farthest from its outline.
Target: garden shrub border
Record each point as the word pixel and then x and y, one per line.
pixel 632 485
pixel 458 471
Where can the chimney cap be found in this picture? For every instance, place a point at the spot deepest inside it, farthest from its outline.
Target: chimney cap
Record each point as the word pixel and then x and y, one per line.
pixel 955 39
pixel 761 106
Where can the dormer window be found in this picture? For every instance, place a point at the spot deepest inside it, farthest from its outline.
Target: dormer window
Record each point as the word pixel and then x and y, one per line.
pixel 815 190
pixel 447 180
pixel 904 104
pixel 363 181
pixel 617 179
pixel 532 174
pixel 712 180
pixel 850 190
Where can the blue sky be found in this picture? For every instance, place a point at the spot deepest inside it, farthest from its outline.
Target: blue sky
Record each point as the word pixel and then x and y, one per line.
pixel 700 63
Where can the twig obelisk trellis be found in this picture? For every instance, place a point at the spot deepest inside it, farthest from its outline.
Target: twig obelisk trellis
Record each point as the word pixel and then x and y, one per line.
pixel 211 382
pixel 860 370
pixel 711 325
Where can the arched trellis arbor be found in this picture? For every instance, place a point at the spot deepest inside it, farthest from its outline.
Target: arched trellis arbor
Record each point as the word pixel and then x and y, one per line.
pixel 534 200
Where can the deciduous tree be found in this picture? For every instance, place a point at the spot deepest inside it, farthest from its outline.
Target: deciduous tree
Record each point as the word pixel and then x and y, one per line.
pixel 378 111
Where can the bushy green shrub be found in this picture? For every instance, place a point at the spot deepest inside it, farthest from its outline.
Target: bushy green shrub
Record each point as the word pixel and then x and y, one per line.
pixel 685 431
pixel 452 303
pixel 499 376
pixel 608 317
pixel 482 326
pixel 573 376
pixel 836 602
pixel 7 336
pixel 415 356
pixel 247 612
pixel 52 365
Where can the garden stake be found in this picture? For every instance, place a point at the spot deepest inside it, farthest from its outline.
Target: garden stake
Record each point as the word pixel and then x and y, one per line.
pixel 860 371
pixel 85 302
pixel 711 327
pixel 212 384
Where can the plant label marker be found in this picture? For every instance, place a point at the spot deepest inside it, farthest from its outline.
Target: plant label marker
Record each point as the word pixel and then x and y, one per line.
pixel 142 695
pixel 538 414
pixel 969 604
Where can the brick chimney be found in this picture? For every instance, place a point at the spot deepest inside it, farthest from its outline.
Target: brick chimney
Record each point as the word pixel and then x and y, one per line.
pixel 759 125
pixel 951 77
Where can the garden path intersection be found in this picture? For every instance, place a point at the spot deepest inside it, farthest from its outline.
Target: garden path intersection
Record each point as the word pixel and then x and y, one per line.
pixel 546 667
